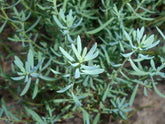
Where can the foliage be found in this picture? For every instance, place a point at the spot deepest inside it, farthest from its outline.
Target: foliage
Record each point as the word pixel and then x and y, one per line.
pixel 81 56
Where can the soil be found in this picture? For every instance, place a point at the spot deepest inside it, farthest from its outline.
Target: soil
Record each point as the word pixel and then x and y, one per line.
pixel 154 111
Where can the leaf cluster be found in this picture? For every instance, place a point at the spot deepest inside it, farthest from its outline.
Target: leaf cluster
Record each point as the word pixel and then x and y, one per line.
pixel 80 56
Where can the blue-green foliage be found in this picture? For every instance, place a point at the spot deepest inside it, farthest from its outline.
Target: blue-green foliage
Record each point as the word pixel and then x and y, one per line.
pixel 80 56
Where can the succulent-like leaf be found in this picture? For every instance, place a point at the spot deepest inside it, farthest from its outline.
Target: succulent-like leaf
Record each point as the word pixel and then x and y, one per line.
pixel 66 54
pixel 59 23
pixel 65 89
pixel 77 73
pixel 26 88
pixel 79 47
pixel 93 72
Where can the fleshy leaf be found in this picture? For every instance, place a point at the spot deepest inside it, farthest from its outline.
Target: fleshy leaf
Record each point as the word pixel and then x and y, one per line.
pixel 65 89
pixel 77 73
pixel 66 54
pixel 59 23
pixel 93 72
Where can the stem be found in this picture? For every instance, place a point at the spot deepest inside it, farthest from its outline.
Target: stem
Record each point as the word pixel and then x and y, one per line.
pixel 139 5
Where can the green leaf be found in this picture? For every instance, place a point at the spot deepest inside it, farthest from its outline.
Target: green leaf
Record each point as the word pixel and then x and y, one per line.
pixel 34 115
pixel 2 27
pixel 96 120
pixel 91 55
pixel 129 39
pixel 37 66
pixel 77 73
pixel 122 115
pixel 93 72
pixel 153 45
pixel 35 91
pixel 26 87
pixel 69 38
pixel 35 75
pixel 47 78
pixel 66 54
pixel 61 13
pixel 30 58
pixel 58 22
pixel 127 54
pixel 84 52
pixel 133 95
pixel 85 116
pixel 105 94
pixel 146 56
pixel 65 89
pixel 140 34
pixel 79 47
pixel 145 91
pixel 7 112
pixel 60 100
pixel 76 52
pixel 152 63
pixel 106 54
pixel 18 78
pixel 161 33
pixel 137 69
pixel 138 15
pixel 74 64
pixel 101 27
pixel 55 72
pixel 76 25
pixel 19 64
pixel 85 82
pixel 31 27
pixel 78 103
pixel 157 91
pixel 148 41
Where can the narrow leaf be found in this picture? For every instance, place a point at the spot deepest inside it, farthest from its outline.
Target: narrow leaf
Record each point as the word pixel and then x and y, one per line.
pixel 105 94
pixel 37 21
pixel 19 64
pixel 55 72
pixel 60 100
pixel 66 54
pixel 34 115
pixel 77 73
pixel 157 91
pixel 85 116
pixel 79 47
pixel 35 91
pixel 65 89
pixel 129 39
pixel 161 33
pixel 75 52
pixel 93 72
pixel 78 103
pixel 58 22
pixel 30 58
pixel 85 82
pixel 133 95
pixel 137 69
pixel 2 27
pixel 97 118
pixel 47 78
pixel 18 78
pixel 127 54
pixel 101 27
pixel 26 87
